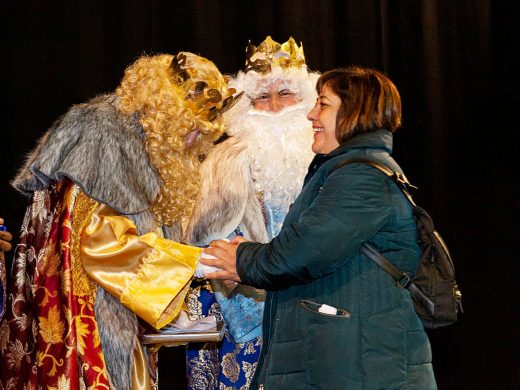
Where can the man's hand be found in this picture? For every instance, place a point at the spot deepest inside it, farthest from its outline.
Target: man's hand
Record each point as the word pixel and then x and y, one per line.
pixel 5 238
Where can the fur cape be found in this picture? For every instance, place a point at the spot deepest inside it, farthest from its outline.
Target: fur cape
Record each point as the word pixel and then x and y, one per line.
pixel 103 152
pixel 227 197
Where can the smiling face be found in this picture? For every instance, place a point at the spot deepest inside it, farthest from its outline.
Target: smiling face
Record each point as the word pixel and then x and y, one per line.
pixel 275 98
pixel 323 118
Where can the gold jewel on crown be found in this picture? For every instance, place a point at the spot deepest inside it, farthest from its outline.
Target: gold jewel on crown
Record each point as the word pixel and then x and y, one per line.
pixel 271 53
pixel 212 100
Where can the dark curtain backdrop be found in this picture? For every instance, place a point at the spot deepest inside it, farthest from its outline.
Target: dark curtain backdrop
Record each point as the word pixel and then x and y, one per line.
pixel 451 60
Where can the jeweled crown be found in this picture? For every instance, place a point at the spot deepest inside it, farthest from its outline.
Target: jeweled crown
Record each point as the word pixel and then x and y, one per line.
pixel 209 97
pixel 271 53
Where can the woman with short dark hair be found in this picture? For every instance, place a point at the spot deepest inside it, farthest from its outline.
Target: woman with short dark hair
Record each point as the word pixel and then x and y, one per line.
pixel 333 318
pixel 369 100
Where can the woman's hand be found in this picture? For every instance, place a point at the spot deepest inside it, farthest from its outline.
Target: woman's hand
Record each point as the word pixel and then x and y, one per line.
pixel 226 259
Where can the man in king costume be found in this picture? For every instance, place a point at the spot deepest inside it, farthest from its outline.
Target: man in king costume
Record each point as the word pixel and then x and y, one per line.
pixel 109 184
pixel 248 183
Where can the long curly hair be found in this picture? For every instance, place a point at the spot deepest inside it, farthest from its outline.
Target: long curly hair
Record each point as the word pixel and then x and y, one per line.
pixel 149 91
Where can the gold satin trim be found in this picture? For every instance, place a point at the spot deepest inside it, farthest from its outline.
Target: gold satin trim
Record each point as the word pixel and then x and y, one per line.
pixel 148 274
pixel 140 374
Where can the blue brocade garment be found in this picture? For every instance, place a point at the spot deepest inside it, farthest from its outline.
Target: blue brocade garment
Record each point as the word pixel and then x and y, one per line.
pixel 274 216
pixel 224 365
pixel 230 364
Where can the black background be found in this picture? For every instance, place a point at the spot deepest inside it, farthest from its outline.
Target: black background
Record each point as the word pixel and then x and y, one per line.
pixel 453 62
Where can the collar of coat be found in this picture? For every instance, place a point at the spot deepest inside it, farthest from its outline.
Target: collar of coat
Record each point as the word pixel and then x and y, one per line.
pixel 379 139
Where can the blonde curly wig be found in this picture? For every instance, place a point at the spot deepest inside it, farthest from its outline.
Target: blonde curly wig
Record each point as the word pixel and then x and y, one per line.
pixel 168 114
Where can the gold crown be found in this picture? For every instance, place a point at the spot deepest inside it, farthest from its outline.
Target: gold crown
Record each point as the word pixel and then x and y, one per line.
pixel 270 53
pixel 210 97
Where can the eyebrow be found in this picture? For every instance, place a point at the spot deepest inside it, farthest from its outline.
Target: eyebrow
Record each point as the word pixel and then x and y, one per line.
pixel 323 97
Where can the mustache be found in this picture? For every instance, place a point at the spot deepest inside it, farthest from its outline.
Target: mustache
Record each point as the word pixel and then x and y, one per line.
pixel 289 110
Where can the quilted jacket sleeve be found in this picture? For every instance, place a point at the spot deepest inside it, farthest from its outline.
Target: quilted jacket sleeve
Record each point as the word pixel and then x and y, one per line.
pixel 327 227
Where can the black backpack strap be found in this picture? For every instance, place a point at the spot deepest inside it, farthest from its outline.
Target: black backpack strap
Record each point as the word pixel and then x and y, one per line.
pixel 401 278
pixel 401 180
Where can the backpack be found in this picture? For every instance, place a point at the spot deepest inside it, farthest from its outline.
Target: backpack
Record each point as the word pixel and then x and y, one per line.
pixel 434 290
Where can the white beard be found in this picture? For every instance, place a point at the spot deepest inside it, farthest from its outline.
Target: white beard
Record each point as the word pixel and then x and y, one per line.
pixel 280 151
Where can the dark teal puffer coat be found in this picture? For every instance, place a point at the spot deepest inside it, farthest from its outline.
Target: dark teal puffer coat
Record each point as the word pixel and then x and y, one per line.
pixel 376 340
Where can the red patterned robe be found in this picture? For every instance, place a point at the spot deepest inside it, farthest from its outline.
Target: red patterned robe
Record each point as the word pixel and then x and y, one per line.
pixel 50 334
pixel 50 337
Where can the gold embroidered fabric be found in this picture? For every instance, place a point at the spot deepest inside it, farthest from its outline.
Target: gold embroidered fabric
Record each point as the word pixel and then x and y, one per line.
pixel 148 274
pixel 82 285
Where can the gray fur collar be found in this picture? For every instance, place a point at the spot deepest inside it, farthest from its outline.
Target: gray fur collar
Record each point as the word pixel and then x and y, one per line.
pixel 101 150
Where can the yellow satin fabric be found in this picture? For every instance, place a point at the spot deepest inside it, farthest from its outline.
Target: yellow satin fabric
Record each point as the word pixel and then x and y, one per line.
pixel 148 274
pixel 140 375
